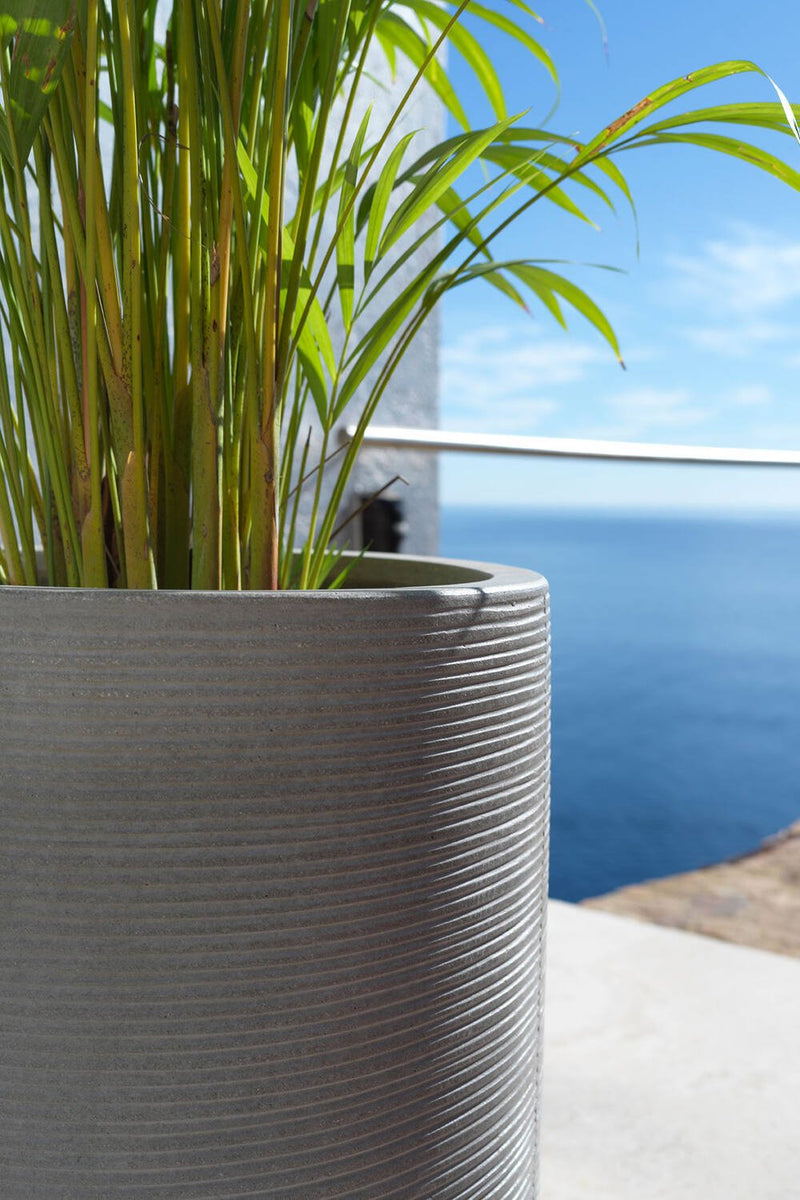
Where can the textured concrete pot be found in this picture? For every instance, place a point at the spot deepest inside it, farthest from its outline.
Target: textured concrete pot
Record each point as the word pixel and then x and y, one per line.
pixel 272 889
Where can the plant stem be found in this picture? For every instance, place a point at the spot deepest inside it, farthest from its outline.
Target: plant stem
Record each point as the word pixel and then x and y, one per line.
pixel 264 450
pixel 92 531
pixel 204 477
pixel 135 517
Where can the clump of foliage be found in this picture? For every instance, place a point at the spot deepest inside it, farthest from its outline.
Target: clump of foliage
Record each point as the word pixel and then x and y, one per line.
pixel 167 314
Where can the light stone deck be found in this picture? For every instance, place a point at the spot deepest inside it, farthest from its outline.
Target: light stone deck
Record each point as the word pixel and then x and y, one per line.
pixel 672 1065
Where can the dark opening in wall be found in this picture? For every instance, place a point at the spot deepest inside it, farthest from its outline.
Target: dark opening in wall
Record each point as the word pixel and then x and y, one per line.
pixel 383 525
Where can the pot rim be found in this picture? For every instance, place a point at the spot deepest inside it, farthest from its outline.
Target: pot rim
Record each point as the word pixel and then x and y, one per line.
pixel 373 575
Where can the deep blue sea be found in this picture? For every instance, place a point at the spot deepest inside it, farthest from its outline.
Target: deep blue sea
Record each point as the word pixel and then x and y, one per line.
pixel 676 682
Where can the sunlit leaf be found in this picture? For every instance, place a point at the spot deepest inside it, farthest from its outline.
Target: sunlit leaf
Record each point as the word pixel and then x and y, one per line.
pixel 531 168
pixel 374 204
pixel 656 99
pixel 469 48
pixel 437 180
pixel 399 34
pixel 742 150
pixel 346 242
pixel 41 32
pixel 547 284
pixel 518 32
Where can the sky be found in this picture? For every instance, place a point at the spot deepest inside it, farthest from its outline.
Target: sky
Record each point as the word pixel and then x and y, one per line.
pixel 707 312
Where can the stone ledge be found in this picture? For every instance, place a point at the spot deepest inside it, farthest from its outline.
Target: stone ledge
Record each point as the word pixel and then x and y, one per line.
pixel 670 1064
pixel 753 900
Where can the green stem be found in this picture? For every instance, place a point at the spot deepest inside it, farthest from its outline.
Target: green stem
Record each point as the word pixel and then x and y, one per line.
pixel 204 476
pixel 92 532
pixel 135 519
pixel 264 450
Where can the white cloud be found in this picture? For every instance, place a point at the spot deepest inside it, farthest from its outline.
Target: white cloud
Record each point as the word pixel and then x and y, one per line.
pixel 740 339
pixel 645 413
pixel 522 361
pixel 749 395
pixel 497 378
pixel 674 414
pixel 750 272
pixel 519 415
pixel 779 434
pixel 742 291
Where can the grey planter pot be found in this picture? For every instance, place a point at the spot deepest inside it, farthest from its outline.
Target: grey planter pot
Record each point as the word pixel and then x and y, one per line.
pixel 272 889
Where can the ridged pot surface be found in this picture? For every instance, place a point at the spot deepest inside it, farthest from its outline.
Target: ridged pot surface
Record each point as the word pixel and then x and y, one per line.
pixel 272 889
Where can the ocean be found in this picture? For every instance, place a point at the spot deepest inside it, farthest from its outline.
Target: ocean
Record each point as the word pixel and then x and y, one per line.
pixel 676 682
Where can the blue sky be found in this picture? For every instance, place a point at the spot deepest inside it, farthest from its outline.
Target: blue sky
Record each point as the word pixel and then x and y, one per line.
pixel 708 313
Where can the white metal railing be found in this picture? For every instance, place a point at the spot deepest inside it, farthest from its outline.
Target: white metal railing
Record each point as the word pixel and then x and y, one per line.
pixel 549 447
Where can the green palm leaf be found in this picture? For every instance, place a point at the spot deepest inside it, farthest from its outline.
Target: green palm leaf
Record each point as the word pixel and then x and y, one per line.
pixel 396 34
pixel 445 170
pixel 346 244
pixel 40 32
pixel 742 150
pixel 373 206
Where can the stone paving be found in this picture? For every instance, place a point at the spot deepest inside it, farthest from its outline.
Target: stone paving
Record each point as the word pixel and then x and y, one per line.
pixel 753 900
pixel 671 1069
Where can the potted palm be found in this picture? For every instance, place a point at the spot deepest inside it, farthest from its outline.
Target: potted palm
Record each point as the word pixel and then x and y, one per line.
pixel 273 820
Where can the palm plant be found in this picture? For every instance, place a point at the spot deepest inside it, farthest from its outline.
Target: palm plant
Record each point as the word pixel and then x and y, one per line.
pixel 168 319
